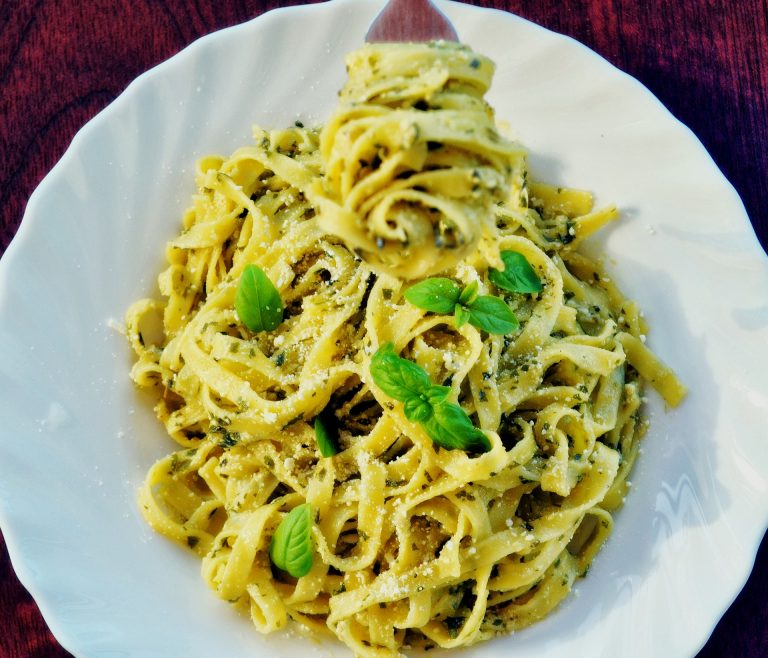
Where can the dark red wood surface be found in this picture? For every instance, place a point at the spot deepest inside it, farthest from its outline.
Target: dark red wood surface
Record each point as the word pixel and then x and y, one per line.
pixel 61 61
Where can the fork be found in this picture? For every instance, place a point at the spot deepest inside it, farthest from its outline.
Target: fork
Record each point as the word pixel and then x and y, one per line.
pixel 411 20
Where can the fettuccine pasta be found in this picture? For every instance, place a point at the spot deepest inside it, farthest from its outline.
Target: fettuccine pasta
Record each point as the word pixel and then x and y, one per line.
pixel 414 162
pixel 412 544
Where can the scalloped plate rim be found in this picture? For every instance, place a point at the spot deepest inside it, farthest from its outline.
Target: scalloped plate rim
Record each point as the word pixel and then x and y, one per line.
pixel 29 223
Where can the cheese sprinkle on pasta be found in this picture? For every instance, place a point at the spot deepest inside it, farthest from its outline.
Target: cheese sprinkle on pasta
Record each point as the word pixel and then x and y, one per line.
pixel 395 541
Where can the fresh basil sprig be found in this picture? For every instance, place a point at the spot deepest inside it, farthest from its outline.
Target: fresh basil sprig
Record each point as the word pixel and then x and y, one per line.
pixel 485 312
pixel 291 547
pixel 257 301
pixel 469 294
pixel 517 276
pixel 398 378
pixel 437 294
pixel 461 315
pixel 450 427
pixel 326 438
pixel 447 424
pixel 492 315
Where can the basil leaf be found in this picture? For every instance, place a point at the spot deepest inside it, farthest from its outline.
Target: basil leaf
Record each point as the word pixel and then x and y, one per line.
pixel 460 315
pixel 257 301
pixel 399 378
pixel 451 428
pixel 438 295
pixel 291 547
pixel 327 441
pixel 469 294
pixel 492 314
pixel 417 409
pixel 518 275
pixel 444 422
pixel 437 394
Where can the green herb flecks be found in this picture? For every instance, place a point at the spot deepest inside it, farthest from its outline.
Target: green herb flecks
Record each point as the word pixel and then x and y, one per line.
pixel 257 301
pixel 291 548
pixel 446 423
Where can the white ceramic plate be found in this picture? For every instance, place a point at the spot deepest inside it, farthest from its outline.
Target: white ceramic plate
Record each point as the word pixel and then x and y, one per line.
pixel 76 438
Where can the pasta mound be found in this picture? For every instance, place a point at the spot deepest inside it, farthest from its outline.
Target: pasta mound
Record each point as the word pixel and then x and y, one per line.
pixel 414 545
pixel 414 162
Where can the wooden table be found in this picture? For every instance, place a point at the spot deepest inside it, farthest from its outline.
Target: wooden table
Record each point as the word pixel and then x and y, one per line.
pixel 62 61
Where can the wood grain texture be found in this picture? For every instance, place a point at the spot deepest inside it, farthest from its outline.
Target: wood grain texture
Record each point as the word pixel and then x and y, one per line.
pixel 61 61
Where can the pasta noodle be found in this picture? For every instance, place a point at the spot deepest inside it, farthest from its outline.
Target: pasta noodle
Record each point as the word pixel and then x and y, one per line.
pixel 413 544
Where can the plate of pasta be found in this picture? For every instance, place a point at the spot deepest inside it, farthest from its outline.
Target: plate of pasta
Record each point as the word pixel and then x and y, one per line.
pixel 389 349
